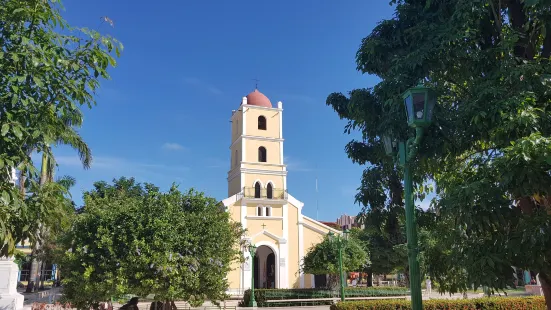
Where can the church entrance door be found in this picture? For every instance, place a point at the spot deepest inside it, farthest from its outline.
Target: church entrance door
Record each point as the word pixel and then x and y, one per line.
pixel 265 268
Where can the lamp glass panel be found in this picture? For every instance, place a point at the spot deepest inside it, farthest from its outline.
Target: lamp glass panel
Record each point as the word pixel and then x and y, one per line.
pixel 431 102
pixel 408 101
pixel 419 105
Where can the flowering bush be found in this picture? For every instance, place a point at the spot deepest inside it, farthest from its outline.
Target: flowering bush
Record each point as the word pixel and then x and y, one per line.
pixel 496 303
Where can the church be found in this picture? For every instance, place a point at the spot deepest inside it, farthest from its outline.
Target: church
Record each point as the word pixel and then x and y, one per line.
pixel 259 199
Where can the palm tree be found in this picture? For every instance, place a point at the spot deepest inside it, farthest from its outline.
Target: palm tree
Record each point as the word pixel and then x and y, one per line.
pixel 65 134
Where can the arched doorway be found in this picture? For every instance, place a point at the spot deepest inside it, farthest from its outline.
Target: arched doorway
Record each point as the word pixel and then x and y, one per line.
pixel 265 270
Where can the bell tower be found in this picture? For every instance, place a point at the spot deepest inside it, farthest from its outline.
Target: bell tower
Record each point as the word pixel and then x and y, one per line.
pixel 257 169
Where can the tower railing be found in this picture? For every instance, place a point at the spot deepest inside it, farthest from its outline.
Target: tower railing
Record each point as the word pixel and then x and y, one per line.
pixel 263 193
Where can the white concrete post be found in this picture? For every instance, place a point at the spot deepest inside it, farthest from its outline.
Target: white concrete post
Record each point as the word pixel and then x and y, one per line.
pixel 9 271
pixel 9 298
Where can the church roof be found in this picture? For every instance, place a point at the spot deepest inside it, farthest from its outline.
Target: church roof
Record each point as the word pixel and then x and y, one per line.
pixel 258 99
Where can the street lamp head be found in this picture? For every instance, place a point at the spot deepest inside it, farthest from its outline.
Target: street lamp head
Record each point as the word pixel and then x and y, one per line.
pixel 419 102
pixel 345 233
pixel 331 235
pixel 252 248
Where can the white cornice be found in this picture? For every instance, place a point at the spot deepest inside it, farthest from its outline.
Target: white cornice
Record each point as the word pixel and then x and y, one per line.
pixel 314 228
pixel 250 106
pixel 263 171
pixel 295 202
pixel 236 172
pixel 263 164
pixel 275 218
pixel 320 224
pixel 230 200
pixel 259 138
pixel 265 200
pixel 271 235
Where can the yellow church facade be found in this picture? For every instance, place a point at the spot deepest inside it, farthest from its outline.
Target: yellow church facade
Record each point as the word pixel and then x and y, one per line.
pixel 258 198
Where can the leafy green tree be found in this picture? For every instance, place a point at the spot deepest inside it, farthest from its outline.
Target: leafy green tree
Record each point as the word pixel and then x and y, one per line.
pixel 381 191
pixel 48 71
pixel 134 239
pixel 52 212
pixel 489 147
pixel 324 257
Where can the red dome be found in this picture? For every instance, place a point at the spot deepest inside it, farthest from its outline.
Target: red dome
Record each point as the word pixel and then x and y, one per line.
pixel 259 99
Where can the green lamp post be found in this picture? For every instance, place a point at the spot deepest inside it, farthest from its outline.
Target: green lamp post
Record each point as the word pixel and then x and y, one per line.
pixel 419 102
pixel 252 250
pixel 340 246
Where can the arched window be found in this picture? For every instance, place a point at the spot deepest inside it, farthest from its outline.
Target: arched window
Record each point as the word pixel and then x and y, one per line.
pixel 257 190
pixel 269 191
pixel 261 122
pixel 259 211
pixel 262 154
pixel 268 211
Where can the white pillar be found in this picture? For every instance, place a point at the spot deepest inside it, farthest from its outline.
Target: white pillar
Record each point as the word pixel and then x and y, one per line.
pixel 283 272
pixel 247 271
pixel 300 248
pixel 9 298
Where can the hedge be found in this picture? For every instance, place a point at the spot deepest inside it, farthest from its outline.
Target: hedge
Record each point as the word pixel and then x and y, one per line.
pixel 495 303
pixel 263 295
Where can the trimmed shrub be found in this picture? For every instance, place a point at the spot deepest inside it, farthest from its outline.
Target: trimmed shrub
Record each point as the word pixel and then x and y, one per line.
pixel 263 295
pixel 495 303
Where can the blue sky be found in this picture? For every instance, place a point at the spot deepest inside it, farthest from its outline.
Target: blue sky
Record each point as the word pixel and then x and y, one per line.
pixel 164 116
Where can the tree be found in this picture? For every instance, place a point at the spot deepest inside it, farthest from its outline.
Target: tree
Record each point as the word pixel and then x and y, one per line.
pixel 323 258
pixel 134 239
pixel 48 71
pixel 381 190
pixel 47 218
pixel 489 148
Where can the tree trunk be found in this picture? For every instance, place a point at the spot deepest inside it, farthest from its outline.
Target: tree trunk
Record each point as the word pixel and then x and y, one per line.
pixel 42 275
pixel 370 279
pixel 406 276
pixel 32 272
pixel 333 282
pixel 34 282
pixel 545 281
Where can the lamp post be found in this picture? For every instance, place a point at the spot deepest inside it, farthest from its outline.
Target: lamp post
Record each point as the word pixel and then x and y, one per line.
pixel 252 251
pixel 340 245
pixel 419 102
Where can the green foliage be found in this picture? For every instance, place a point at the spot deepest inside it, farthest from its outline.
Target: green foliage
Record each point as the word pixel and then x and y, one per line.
pixel 324 257
pixel 488 148
pixel 134 239
pixel 518 303
pixel 48 70
pixel 381 190
pixel 263 295
pixel 20 258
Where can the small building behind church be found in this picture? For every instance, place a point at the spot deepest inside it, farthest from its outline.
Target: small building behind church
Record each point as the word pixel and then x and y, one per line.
pixel 259 199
